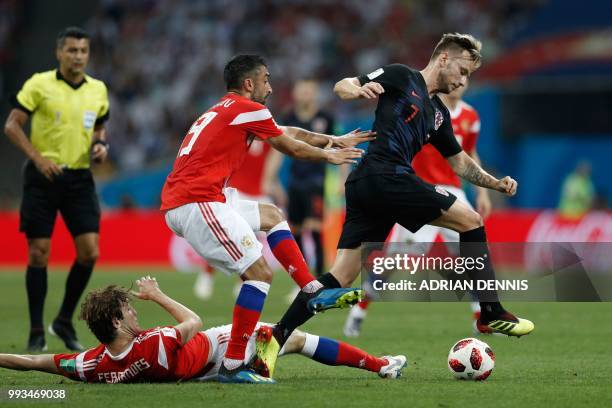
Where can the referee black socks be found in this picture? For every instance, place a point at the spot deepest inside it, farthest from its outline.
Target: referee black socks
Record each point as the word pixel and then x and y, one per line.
pixel 75 285
pixel 36 287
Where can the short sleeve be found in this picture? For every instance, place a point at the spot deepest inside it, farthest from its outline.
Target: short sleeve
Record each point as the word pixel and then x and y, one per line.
pixel 104 112
pixel 393 75
pixel 66 365
pixel 258 123
pixel 444 139
pixel 29 96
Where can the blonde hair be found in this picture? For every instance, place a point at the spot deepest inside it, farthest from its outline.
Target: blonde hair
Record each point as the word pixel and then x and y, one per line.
pixel 459 42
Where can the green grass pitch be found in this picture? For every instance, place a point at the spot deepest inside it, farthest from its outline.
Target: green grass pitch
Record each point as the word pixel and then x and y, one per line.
pixel 566 362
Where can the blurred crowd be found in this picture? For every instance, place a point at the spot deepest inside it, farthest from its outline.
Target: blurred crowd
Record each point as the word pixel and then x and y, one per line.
pixel 163 60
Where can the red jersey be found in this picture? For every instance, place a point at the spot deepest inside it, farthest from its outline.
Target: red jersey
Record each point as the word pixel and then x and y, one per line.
pixel 155 355
pixel 248 179
pixel 429 163
pixel 214 148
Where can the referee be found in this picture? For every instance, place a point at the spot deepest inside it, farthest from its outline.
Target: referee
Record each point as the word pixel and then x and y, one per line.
pixel 68 109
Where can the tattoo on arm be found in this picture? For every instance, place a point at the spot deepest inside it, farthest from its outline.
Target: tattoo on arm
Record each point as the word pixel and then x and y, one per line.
pixel 465 167
pixel 476 175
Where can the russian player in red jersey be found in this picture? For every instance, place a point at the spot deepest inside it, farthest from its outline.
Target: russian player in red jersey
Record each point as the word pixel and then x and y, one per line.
pixel 220 226
pixel 429 165
pixel 174 353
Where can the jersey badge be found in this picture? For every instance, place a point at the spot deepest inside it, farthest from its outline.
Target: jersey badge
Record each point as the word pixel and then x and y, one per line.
pixel 247 242
pixel 438 119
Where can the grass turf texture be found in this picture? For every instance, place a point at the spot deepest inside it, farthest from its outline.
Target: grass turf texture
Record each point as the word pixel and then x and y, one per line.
pixel 565 363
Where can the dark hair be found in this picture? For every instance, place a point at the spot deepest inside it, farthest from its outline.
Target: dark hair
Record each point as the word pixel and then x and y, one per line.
pixel 459 42
pixel 70 32
pixel 240 67
pixel 99 309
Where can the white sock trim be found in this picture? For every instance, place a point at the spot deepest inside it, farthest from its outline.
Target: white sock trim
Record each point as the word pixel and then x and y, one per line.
pixel 261 286
pixel 357 312
pixel 310 345
pixel 283 225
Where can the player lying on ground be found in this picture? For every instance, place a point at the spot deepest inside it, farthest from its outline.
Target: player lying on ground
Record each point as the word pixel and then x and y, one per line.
pixel 173 353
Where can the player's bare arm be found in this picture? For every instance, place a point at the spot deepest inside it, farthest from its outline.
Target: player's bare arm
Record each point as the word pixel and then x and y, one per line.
pixel 464 166
pixel 350 88
pixel 188 321
pixel 350 139
pixel 483 201
pixel 303 151
pixel 99 146
pixel 27 362
pixel 13 128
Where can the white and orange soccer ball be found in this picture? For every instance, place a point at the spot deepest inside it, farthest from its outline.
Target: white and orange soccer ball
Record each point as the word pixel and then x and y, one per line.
pixel 471 359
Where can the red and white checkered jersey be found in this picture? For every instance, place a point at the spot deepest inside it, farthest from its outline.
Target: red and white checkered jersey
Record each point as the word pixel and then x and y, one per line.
pixel 214 148
pixel 429 163
pixel 155 355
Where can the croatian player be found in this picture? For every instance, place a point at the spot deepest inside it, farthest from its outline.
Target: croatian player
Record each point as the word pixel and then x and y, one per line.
pixel 173 353
pixel 383 190
pixel 430 166
pixel 217 224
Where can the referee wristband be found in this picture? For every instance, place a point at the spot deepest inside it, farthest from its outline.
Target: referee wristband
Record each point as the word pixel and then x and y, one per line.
pixel 101 142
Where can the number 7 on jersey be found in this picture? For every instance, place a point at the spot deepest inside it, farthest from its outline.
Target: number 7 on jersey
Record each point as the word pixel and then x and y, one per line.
pixel 194 132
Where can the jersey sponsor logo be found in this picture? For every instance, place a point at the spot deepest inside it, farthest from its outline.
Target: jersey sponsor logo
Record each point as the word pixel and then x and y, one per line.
pixel 442 191
pixel 438 120
pixel 375 74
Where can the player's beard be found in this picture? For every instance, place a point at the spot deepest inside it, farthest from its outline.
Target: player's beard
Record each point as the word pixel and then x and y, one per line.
pixel 443 84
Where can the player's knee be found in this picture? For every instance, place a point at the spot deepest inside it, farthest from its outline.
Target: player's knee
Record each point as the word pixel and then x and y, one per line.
pixel 295 342
pixel 38 255
pixel 271 216
pixel 259 271
pixel 88 256
pixel 476 220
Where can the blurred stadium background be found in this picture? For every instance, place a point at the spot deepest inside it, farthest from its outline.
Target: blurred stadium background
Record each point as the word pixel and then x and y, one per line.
pixel 544 95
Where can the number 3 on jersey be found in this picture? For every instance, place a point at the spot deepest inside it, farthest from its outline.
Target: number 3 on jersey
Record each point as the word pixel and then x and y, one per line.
pixel 195 131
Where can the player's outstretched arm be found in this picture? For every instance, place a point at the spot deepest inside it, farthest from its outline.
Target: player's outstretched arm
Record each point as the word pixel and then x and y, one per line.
pixel 464 166
pixel 350 88
pixel 188 321
pixel 303 151
pixel 26 362
pixel 350 139
pixel 483 201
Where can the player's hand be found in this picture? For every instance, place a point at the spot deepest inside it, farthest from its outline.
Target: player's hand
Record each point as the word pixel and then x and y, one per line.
pixel 99 152
pixel 370 90
pixel 353 138
pixel 47 168
pixel 483 203
pixel 148 288
pixel 507 185
pixel 341 156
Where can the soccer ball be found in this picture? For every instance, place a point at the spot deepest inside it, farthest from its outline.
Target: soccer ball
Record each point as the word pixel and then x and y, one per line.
pixel 471 359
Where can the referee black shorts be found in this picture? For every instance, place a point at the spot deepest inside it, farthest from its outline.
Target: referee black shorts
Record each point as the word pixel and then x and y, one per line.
pixel 375 203
pixel 73 194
